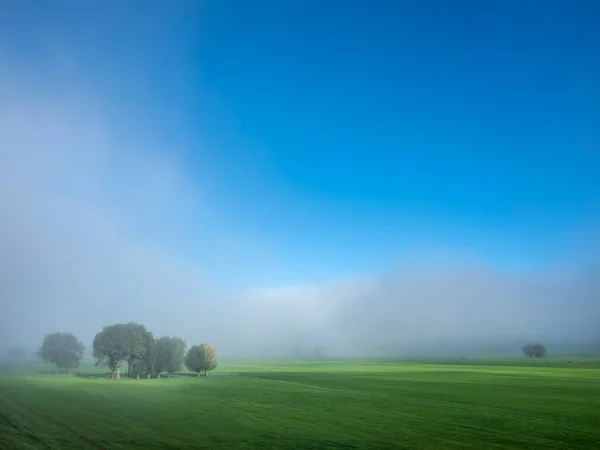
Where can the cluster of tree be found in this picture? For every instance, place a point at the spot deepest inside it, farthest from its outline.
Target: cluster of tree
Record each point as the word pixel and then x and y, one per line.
pixel 132 343
pixel 534 350
pixel 122 342
pixel 144 354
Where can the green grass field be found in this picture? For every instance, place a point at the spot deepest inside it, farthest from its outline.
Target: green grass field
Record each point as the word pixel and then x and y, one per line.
pixel 322 405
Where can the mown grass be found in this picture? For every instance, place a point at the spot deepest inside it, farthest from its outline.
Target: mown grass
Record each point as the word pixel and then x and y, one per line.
pixel 475 404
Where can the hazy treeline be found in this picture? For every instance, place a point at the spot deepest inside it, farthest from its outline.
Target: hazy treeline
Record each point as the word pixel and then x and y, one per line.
pixel 148 356
pixel 132 343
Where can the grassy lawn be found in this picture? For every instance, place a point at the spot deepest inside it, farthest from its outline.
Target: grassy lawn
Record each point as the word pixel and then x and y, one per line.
pixel 475 404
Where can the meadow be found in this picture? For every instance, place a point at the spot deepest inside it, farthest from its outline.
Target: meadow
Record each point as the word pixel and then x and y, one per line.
pixel 477 404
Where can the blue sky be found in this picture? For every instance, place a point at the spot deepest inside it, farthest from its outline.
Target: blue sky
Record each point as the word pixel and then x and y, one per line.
pixel 343 136
pixel 267 173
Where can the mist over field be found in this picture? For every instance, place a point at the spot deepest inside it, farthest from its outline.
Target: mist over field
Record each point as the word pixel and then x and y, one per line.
pixel 299 224
pixel 87 239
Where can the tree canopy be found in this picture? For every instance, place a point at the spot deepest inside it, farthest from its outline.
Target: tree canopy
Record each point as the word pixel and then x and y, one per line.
pixel 170 353
pixel 122 342
pixel 201 358
pixel 61 349
pixel 109 347
pixel 138 342
pixel 149 363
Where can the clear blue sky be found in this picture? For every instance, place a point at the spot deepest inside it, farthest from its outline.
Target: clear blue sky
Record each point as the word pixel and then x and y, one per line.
pixel 344 134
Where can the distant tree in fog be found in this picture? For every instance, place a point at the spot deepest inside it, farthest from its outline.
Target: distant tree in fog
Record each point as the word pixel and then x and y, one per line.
pixel 16 355
pixel 317 353
pixel 534 350
pixel 200 358
pixel 170 353
pixel 61 349
pixel 539 350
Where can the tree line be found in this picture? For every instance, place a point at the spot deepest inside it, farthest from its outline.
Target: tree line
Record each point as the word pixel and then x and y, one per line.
pixel 144 354
pixel 132 343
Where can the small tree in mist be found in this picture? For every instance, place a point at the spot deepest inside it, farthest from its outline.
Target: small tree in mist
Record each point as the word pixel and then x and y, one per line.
pixel 170 353
pixel 539 350
pixel 317 352
pixel 16 355
pixel 200 358
pixel 534 350
pixel 62 350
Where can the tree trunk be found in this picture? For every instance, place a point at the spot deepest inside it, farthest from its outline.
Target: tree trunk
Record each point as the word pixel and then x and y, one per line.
pixel 129 369
pixel 148 376
pixel 198 374
pixel 118 374
pixel 205 372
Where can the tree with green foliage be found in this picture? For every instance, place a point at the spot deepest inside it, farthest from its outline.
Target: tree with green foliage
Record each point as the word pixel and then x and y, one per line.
pixel 170 353
pixel 151 355
pixel 137 341
pixel 109 348
pixel 201 358
pixel 146 366
pixel 62 350
pixel 129 342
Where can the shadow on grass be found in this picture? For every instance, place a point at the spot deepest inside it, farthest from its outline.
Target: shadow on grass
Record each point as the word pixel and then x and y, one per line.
pixel 72 373
pixel 186 374
pixel 91 375
pixel 50 372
